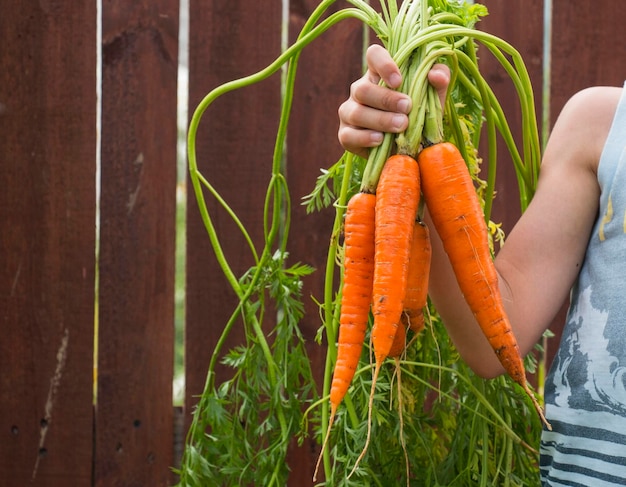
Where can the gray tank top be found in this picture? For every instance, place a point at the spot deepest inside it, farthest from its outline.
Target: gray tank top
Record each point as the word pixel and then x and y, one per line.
pixel 585 390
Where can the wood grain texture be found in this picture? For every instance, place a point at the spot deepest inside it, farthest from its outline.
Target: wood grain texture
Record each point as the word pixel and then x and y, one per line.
pixel 48 204
pixel 134 420
pixel 585 49
pixel 228 40
pixel 47 241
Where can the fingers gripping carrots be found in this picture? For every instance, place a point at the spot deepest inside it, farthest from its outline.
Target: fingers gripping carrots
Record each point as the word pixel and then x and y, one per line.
pixel 457 216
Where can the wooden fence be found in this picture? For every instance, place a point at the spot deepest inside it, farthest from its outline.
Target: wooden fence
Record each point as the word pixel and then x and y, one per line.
pixel 54 431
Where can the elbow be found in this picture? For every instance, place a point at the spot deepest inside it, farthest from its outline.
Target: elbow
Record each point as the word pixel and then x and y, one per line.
pixel 486 368
pixel 485 373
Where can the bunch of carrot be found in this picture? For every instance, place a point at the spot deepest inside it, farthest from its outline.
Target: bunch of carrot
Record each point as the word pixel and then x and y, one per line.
pixel 396 248
pixel 386 256
pixel 378 235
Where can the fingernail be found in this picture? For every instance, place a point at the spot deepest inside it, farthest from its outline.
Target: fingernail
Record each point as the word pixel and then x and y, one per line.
pixel 404 105
pixel 377 138
pixel 397 121
pixel 394 80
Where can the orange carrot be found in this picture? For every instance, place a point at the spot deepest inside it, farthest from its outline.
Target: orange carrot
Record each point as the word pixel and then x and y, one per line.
pixel 356 298
pixel 417 279
pixel 456 213
pixel 397 197
pixel 357 290
pixel 399 342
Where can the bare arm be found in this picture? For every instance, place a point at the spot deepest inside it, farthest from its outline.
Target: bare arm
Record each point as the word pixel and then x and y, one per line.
pixel 544 252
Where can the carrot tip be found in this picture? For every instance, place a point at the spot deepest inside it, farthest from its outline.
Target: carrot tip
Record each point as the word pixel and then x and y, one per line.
pixel 538 407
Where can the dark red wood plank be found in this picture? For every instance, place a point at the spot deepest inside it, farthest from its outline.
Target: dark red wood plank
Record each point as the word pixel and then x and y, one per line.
pixel 47 242
pixel 229 39
pixel 584 49
pixel 134 422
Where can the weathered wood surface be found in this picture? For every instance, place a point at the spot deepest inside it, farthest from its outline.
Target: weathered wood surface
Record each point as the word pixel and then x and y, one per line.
pixel 134 420
pixel 47 241
pixel 585 50
pixel 228 40
pixel 48 205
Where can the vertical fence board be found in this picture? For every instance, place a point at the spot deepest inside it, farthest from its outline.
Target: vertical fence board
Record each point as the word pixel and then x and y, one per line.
pixel 228 39
pixel 134 421
pixel 326 69
pixel 47 241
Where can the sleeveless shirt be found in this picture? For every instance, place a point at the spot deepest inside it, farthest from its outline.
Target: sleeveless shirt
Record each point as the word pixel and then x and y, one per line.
pixel 585 392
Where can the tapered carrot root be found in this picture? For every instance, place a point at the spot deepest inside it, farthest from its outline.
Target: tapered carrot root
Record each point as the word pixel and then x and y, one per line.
pixel 357 290
pixel 417 280
pixel 356 299
pixel 458 218
pixel 397 197
pixel 397 347
pixel 412 314
pixel 399 342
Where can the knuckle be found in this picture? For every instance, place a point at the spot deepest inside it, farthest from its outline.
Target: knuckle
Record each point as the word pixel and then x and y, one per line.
pixel 342 136
pixel 347 112
pixel 389 100
pixel 357 89
pixel 341 111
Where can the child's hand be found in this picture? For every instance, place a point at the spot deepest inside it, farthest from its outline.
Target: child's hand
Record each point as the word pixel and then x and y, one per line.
pixel 373 109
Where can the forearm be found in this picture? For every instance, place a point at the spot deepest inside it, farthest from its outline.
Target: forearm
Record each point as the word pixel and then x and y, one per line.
pixel 536 269
pixel 456 314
